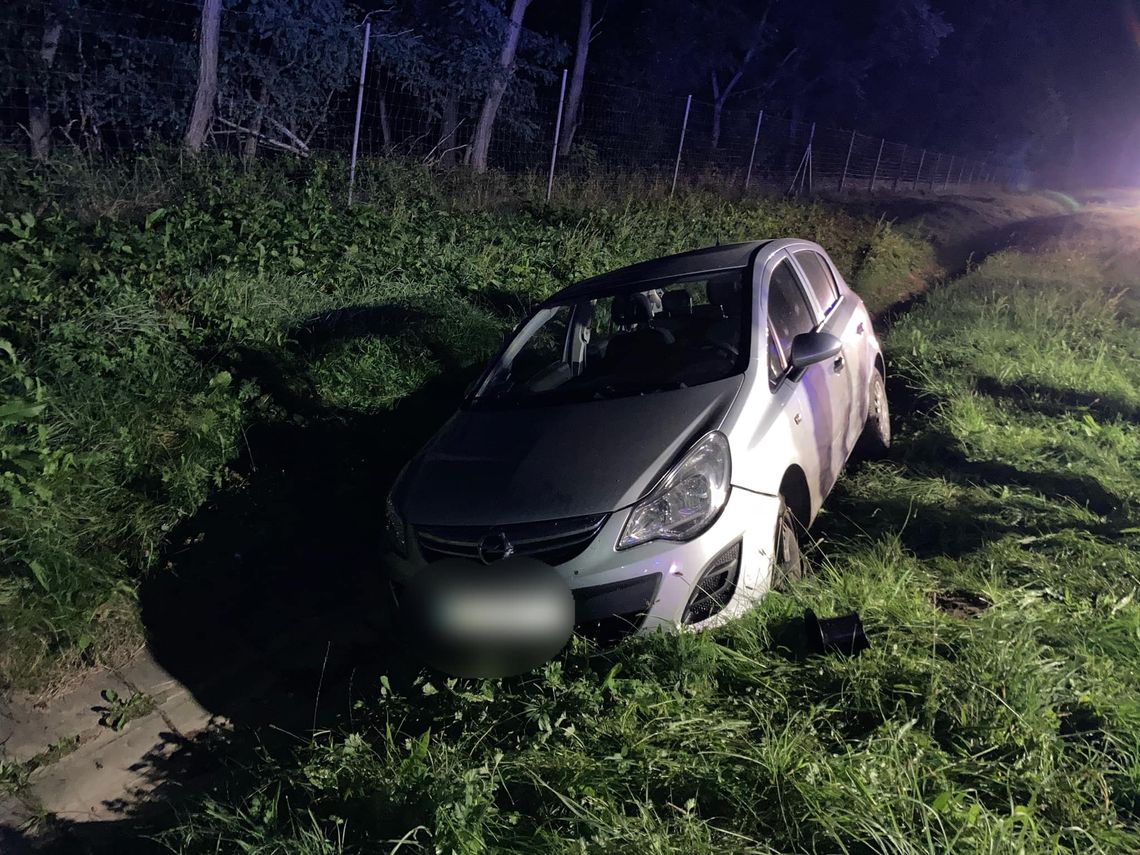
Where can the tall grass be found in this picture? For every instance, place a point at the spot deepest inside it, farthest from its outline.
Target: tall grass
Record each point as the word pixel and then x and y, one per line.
pixel 1010 726
pixel 157 307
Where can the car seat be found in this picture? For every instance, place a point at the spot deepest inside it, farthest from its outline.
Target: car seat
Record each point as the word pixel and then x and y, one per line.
pixel 641 341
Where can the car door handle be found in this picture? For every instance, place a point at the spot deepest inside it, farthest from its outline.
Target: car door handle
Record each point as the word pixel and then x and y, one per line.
pixel 838 364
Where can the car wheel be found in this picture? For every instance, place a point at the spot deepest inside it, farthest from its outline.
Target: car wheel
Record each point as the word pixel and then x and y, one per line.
pixel 875 440
pixel 788 563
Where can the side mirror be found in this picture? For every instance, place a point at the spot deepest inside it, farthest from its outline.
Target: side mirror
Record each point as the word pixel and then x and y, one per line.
pixel 810 348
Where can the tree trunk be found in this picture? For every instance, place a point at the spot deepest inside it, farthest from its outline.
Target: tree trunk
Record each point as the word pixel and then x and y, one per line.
pixel 39 111
pixel 249 144
pixel 385 125
pixel 481 142
pixel 448 131
pixel 207 94
pixel 572 116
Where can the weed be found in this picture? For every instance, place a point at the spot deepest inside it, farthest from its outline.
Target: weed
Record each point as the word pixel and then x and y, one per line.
pixel 120 711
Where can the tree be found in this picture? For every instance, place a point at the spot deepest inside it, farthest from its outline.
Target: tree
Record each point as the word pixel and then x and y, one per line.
pixel 202 116
pixel 39 116
pixel 586 28
pixel 284 60
pixel 446 57
pixel 481 142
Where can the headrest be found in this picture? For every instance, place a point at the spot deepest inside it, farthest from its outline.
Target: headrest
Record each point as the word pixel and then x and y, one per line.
pixel 630 309
pixel 724 293
pixel 677 303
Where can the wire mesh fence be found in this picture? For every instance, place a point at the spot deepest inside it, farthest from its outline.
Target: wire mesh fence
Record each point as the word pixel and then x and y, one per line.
pixel 103 80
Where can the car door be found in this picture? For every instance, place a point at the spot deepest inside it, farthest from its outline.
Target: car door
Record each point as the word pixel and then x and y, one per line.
pixel 803 397
pixel 836 316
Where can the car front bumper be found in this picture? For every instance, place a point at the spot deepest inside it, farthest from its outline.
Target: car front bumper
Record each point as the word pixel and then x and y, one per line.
pixel 649 586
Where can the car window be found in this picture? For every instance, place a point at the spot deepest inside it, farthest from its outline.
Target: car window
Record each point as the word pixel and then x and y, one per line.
pixel 541 356
pixel 819 277
pixel 788 312
pixel 636 339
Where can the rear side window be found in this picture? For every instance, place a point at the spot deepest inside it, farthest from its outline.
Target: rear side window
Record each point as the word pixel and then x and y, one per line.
pixel 820 278
pixel 788 313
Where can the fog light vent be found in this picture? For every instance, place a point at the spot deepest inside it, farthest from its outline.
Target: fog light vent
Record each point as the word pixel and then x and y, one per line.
pixel 716 586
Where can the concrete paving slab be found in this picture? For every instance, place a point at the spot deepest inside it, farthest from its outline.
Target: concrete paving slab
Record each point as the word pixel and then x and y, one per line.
pixel 103 779
pixel 33 725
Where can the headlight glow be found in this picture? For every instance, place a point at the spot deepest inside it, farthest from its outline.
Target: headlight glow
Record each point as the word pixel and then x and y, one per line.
pixel 688 500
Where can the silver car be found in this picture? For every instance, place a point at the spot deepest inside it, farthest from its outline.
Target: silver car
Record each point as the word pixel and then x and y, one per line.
pixel 644 452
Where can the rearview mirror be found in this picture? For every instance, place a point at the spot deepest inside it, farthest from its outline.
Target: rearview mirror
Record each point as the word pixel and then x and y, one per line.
pixel 812 347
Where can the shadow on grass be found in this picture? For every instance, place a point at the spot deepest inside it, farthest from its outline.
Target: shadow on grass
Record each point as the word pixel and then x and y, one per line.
pixel 1053 401
pixel 267 604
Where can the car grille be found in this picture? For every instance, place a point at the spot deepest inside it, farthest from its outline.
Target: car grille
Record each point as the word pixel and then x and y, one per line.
pixel 553 542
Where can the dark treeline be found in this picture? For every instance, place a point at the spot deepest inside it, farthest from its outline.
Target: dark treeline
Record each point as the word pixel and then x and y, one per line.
pixel 1011 81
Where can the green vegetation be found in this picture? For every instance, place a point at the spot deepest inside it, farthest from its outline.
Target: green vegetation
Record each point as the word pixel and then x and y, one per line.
pixel 121 711
pixel 155 313
pixel 994 561
pixel 14 776
pixel 153 310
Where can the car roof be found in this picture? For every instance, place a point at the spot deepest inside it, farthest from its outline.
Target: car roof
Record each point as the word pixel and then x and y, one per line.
pixel 721 257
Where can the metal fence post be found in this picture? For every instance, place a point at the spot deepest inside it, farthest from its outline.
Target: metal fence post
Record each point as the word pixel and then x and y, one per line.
pixel 949 172
pixel 918 174
pixel 875 174
pixel 752 157
pixel 973 168
pixel 811 142
pixel 803 171
pixel 359 107
pixel 557 133
pixel 934 173
pixel 681 144
pixel 961 172
pixel 899 174
pixel 847 162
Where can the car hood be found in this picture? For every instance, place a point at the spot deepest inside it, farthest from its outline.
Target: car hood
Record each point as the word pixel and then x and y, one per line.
pixel 492 467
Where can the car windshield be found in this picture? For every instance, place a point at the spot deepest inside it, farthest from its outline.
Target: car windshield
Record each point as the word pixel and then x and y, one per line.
pixel 636 340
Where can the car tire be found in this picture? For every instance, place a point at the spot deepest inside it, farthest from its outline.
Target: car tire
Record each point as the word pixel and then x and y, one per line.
pixel 788 560
pixel 875 441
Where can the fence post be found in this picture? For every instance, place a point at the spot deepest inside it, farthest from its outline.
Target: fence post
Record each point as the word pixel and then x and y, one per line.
pixel 811 142
pixel 847 162
pixel 918 174
pixel 875 174
pixel 803 171
pixel 949 172
pixel 934 173
pixel 681 144
pixel 961 172
pixel 973 169
pixel 752 157
pixel 898 176
pixel 557 132
pixel 359 107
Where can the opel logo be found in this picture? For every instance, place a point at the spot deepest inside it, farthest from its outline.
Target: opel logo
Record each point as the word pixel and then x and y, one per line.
pixel 495 546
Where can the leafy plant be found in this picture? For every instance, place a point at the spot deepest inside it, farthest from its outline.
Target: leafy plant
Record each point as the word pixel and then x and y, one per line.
pixel 120 711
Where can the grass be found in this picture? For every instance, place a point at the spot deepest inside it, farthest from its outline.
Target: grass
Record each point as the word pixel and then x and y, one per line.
pixel 158 308
pixel 14 775
pixel 1011 728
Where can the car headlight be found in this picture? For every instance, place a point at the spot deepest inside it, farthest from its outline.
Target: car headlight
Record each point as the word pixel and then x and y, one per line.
pixel 394 529
pixel 688 499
